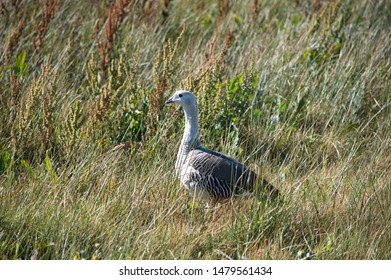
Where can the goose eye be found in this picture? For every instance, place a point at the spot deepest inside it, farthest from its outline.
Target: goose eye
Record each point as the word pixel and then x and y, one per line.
pixel 180 95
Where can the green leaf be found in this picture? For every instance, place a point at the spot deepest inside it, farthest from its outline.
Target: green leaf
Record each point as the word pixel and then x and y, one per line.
pixel 237 20
pixel 234 83
pixel 283 106
pixel 48 164
pixel 296 19
pixel 305 55
pixel 28 168
pixel 337 48
pixel 256 113
pixel 5 160
pixel 21 63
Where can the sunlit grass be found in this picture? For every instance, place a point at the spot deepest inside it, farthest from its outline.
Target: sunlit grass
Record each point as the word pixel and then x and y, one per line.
pixel 298 92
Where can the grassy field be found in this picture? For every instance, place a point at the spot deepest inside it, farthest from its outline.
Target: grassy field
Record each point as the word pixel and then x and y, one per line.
pixel 297 90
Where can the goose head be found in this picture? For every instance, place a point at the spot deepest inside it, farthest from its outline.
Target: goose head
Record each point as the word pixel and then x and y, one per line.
pixel 184 98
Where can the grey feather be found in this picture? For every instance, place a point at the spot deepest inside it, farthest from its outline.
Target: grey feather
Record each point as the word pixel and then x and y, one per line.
pixel 234 175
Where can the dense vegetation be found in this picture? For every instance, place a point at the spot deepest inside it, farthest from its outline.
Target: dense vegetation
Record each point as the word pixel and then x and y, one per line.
pixel 298 90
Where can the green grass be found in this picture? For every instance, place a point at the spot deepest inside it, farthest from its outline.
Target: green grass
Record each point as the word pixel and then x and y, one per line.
pixel 299 91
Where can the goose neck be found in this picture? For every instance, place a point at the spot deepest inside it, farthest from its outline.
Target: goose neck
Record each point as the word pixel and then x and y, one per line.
pixel 190 137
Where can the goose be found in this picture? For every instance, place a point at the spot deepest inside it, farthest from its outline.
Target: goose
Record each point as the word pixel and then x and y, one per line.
pixel 206 173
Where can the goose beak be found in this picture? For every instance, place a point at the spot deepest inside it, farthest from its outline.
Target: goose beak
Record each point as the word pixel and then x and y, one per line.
pixel 170 100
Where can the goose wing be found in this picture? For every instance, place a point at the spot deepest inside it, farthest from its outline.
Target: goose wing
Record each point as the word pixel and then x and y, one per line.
pixel 223 169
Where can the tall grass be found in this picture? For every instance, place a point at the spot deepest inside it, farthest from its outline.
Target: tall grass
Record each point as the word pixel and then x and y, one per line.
pixel 298 90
